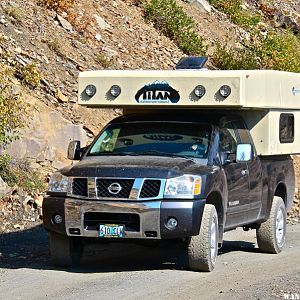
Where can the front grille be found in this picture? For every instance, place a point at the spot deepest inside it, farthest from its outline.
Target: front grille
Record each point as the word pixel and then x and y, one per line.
pixel 80 187
pixel 92 220
pixel 103 185
pixel 150 188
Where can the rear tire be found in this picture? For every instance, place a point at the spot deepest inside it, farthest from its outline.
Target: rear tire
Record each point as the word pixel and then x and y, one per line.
pixel 65 251
pixel 203 248
pixel 271 234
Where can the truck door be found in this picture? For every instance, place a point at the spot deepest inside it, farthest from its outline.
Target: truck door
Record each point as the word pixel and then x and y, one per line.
pixel 237 177
pixel 255 173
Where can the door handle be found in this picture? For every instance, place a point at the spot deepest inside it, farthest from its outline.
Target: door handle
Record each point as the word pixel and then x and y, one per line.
pixel 245 172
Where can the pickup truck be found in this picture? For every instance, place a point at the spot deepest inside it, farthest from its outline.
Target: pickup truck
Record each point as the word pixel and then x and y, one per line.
pixel 186 176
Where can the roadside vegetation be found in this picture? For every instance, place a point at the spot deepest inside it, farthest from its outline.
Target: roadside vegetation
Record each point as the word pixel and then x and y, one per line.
pixel 101 59
pixel 17 173
pixel 172 21
pixel 14 114
pixel 15 13
pixel 29 75
pixel 237 14
pixel 13 111
pixel 234 58
pixel 276 51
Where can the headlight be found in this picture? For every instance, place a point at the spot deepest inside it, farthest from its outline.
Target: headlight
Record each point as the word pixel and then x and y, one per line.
pixel 58 183
pixel 183 186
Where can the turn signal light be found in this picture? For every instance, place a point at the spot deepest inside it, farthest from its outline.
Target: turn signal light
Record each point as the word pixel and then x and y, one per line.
pixel 197 186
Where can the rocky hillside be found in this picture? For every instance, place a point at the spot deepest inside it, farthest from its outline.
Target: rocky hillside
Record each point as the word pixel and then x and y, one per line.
pixel 56 39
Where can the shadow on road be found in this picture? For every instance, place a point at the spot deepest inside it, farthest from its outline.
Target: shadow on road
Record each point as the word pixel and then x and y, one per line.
pixel 29 249
pixel 229 246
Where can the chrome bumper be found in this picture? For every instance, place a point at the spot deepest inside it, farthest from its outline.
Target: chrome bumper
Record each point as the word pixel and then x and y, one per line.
pixel 149 213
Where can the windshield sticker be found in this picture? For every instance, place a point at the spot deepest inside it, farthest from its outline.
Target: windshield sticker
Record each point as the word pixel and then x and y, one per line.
pixel 157 92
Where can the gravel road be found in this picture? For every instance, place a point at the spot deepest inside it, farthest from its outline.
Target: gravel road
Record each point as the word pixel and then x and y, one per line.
pixel 136 272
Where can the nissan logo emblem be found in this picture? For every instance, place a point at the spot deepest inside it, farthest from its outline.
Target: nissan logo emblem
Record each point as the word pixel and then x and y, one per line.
pixel 115 188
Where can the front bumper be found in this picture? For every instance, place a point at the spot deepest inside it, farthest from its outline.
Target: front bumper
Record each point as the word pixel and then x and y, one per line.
pixel 151 215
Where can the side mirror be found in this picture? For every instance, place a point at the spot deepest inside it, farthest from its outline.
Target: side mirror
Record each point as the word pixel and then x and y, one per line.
pixel 74 152
pixel 244 153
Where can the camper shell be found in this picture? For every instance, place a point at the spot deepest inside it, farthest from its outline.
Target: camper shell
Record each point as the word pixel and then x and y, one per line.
pixel 197 153
pixel 265 98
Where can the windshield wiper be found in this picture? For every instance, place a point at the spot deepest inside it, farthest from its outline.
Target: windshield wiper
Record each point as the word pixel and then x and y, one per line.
pixel 115 154
pixel 159 153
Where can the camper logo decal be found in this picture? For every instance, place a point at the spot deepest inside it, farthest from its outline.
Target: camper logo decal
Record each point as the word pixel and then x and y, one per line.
pixel 157 92
pixel 295 91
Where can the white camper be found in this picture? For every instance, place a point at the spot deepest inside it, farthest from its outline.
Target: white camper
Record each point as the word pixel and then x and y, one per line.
pixel 269 101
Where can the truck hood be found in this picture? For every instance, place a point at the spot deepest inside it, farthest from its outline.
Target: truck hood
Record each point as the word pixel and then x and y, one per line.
pixel 137 167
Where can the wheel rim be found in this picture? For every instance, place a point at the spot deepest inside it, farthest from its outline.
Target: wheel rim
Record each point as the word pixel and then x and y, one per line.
pixel 280 227
pixel 213 240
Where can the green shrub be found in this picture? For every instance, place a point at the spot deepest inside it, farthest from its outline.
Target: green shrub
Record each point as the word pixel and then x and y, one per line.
pixel 235 12
pixel 13 111
pixel 276 51
pixel 234 58
pixel 17 173
pixel 14 12
pixel 280 51
pixel 29 75
pixel 101 59
pixel 172 21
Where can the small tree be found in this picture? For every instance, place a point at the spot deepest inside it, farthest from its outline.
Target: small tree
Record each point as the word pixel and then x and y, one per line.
pixel 13 111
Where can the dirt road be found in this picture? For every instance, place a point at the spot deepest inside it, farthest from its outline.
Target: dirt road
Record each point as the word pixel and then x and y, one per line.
pixel 136 272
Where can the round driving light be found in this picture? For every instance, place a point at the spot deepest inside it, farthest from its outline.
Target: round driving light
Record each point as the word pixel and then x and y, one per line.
pixel 171 223
pixel 199 91
pixel 90 90
pixel 57 219
pixel 115 91
pixel 225 91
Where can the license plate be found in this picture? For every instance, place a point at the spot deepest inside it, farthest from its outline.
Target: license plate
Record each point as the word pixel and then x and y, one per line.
pixel 111 231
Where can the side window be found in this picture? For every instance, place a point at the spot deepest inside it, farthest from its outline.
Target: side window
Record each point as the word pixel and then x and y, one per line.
pixel 228 140
pixel 286 128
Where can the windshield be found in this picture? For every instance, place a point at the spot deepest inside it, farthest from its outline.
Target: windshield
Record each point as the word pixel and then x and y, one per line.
pixel 154 138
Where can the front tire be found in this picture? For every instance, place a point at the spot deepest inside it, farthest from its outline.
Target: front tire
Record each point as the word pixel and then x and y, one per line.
pixel 271 234
pixel 203 248
pixel 65 251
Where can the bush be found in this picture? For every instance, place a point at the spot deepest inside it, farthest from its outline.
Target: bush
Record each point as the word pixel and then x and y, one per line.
pixel 280 51
pixel 276 51
pixel 17 173
pixel 57 5
pixel 235 12
pixel 29 75
pixel 14 12
pixel 172 21
pixel 13 111
pixel 234 58
pixel 101 59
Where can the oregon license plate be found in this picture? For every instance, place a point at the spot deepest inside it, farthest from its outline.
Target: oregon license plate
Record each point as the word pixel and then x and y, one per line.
pixel 111 231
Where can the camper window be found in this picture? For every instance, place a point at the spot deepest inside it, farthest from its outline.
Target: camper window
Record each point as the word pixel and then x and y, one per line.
pixel 286 128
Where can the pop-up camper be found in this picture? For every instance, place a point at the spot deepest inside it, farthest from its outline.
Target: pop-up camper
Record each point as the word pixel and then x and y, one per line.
pixel 197 153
